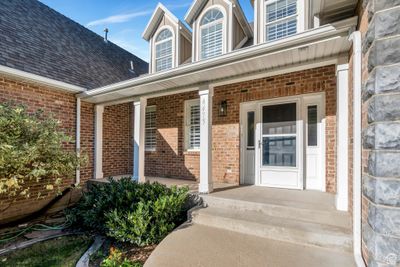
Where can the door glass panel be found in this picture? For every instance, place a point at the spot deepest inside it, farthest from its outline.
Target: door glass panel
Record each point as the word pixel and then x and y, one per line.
pixel 279 135
pixel 250 130
pixel 312 128
pixel 279 151
pixel 279 119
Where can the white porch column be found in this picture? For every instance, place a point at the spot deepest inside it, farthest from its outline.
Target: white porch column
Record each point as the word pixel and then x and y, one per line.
pixel 98 142
pixel 342 117
pixel 138 136
pixel 206 183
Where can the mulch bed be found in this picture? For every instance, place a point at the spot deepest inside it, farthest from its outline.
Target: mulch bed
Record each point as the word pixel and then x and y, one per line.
pixel 131 252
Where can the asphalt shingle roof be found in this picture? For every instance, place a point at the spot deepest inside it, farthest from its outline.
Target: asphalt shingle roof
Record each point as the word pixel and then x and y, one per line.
pixel 39 40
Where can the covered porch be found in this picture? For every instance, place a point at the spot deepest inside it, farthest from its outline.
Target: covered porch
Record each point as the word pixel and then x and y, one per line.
pixel 227 79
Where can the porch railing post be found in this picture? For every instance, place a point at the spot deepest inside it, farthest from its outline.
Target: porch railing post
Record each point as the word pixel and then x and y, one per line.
pixel 206 183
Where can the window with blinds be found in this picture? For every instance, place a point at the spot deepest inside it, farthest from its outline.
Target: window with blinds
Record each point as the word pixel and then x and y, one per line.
pixel 150 129
pixel 281 19
pixel 192 127
pixel 163 53
pixel 211 31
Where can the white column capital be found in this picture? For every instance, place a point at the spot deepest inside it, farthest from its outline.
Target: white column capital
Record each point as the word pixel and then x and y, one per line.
pixel 342 67
pixel 99 109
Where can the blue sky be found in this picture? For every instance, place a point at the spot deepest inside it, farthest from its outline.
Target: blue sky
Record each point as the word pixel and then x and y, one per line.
pixel 125 19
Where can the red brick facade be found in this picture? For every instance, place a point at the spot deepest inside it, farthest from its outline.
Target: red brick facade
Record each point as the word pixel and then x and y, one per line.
pixel 226 135
pixel 117 140
pixel 170 158
pixel 63 107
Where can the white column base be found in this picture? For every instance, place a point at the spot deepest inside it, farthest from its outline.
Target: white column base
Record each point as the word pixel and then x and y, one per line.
pixel 341 203
pixel 206 188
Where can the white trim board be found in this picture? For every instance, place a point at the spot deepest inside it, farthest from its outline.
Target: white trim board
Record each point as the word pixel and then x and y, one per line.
pixel 34 78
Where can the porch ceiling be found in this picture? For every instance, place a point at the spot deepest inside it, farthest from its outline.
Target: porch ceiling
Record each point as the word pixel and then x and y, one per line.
pixel 329 41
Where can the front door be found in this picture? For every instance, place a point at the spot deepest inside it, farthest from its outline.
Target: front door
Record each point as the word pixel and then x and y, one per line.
pixel 283 142
pixel 280 145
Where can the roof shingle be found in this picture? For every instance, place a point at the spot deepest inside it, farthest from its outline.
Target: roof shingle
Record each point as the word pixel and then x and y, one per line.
pixel 37 39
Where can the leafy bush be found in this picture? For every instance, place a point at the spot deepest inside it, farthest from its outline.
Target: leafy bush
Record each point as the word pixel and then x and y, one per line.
pixel 32 149
pixel 150 222
pixel 141 214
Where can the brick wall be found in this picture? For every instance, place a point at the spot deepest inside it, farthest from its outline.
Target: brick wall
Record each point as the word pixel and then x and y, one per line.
pixel 63 107
pixel 170 158
pixel 117 140
pixel 226 138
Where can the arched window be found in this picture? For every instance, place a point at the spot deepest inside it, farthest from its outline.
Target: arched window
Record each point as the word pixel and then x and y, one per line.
pixel 211 34
pixel 163 53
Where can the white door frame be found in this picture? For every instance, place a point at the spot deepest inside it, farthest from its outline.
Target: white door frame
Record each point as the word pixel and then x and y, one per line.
pixel 301 151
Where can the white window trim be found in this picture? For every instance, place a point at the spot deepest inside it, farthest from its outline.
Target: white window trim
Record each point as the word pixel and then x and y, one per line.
pixel 154 43
pixel 152 149
pixel 224 29
pixel 188 104
pixel 263 19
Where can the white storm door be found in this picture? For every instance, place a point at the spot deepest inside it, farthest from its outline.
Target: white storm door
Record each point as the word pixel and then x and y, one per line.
pixel 314 117
pixel 280 145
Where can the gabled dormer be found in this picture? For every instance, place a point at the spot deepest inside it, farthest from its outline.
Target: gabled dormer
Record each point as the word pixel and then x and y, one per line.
pixel 277 19
pixel 170 40
pixel 219 26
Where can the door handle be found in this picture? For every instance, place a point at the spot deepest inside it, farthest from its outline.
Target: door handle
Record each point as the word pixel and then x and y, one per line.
pixel 259 144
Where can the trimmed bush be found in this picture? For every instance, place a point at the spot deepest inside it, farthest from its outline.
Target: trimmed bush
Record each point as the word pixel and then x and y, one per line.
pixel 141 214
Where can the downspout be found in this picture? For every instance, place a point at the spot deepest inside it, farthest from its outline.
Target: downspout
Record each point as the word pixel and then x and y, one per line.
pixel 355 37
pixel 78 139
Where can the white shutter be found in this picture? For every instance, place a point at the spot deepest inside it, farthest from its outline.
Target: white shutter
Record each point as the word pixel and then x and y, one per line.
pixel 150 129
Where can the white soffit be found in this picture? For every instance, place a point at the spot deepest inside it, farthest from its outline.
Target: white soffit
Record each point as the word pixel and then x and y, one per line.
pixel 325 42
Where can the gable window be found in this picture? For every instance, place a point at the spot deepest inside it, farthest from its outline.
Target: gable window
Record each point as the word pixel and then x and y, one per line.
pixel 281 18
pixel 192 124
pixel 163 50
pixel 211 34
pixel 150 129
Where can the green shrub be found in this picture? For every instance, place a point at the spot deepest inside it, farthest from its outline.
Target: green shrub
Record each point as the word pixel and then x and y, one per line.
pixel 32 150
pixel 150 222
pixel 141 214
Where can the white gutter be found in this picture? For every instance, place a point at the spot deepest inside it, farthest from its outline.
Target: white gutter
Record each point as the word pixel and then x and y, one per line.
pixel 78 138
pixel 26 76
pixel 304 38
pixel 355 37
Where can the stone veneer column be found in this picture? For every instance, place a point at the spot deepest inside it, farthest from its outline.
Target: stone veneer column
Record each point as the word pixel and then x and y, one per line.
pixel 381 133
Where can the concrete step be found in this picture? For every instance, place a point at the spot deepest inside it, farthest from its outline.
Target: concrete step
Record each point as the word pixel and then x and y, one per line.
pixel 284 209
pixel 276 228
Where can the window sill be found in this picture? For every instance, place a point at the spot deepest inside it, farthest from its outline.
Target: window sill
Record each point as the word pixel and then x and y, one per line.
pixel 192 152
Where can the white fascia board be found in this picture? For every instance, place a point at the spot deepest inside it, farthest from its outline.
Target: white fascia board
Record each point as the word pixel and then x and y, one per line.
pixel 155 19
pixel 30 77
pixel 304 38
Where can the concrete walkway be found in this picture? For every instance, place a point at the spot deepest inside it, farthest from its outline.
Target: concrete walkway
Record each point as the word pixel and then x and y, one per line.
pixel 202 246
